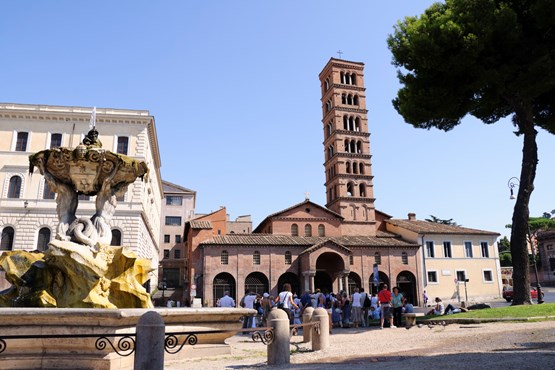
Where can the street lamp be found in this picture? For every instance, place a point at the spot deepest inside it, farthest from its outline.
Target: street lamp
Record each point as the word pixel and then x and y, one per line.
pixel 511 184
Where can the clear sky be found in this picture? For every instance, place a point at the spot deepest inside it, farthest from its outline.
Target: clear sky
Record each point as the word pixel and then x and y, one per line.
pixel 234 89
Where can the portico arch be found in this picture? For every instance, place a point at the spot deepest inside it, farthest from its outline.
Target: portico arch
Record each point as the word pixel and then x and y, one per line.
pixel 223 282
pixel 406 282
pixel 329 266
pixel 382 279
pixel 256 282
pixel 292 279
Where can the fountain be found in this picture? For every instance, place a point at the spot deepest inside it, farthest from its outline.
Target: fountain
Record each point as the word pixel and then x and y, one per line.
pixel 83 286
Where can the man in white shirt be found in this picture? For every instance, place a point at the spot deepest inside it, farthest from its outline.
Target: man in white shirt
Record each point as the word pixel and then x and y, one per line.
pixel 249 303
pixel 226 300
pixel 356 308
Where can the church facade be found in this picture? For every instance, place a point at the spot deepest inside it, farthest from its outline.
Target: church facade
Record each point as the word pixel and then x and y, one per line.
pixel 345 244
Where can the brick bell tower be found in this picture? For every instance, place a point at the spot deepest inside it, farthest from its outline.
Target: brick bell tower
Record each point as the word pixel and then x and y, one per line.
pixel 349 188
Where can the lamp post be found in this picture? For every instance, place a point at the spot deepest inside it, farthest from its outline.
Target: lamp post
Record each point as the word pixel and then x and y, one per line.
pixel 512 184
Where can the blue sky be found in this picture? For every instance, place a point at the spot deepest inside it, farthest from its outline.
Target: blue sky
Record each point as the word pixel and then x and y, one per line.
pixel 234 88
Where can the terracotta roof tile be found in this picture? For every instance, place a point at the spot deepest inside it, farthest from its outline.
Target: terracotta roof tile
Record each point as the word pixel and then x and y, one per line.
pixel 200 224
pixel 427 227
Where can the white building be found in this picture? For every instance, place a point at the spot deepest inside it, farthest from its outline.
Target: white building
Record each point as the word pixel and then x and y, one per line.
pixel 28 217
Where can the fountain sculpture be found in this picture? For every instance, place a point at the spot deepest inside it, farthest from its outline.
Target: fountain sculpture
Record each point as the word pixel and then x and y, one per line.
pixel 80 269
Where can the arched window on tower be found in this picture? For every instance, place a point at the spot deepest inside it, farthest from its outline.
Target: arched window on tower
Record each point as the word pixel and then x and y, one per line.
pixel 361 168
pixel 348 167
pixel 353 147
pixel 43 239
pixel 342 74
pixel 345 123
pixel 353 79
pixel 343 99
pixel 330 151
pixel 355 99
pixel 6 243
pixel 327 84
pixel 350 99
pixel 346 142
pixel 362 190
pixel 328 105
pixel 330 129
pixel 351 123
pixel 359 147
pixel 350 190
pixel 14 189
pixel 355 167
pixel 357 124
pixel 294 230
pixel 321 230
pixel 307 230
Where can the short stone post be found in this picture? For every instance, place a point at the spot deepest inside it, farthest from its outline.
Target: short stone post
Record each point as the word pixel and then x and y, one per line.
pixel 410 319
pixel 278 350
pixel 149 342
pixel 321 341
pixel 307 330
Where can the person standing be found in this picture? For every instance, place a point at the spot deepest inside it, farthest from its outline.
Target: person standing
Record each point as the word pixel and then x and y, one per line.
pixel 286 303
pixel 384 297
pixel 248 302
pixel 397 305
pixel 374 307
pixel 356 308
pixel 226 300
pixel 365 303
pixel 306 301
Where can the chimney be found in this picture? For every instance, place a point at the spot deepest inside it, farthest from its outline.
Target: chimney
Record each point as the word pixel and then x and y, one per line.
pixel 412 216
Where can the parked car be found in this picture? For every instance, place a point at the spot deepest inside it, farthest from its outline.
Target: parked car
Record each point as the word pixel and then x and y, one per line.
pixel 508 293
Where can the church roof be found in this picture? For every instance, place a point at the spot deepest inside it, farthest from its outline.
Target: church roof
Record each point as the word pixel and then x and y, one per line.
pixel 385 240
pixel 305 202
pixel 427 227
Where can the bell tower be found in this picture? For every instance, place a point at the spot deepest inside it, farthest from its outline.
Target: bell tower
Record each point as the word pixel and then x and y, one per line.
pixel 349 188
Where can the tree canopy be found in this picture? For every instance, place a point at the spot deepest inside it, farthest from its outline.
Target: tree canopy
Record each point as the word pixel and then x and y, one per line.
pixel 490 59
pixel 442 221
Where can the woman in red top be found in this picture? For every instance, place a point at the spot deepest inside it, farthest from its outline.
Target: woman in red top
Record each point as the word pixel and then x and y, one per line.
pixel 384 296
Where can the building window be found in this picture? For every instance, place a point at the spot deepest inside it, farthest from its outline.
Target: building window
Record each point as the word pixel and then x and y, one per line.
pixel 377 258
pixel 6 243
pixel 166 238
pixel 405 258
pixel 174 200
pixel 177 253
pixel 488 276
pixel 14 190
pixel 44 239
pixel 485 249
pixel 123 143
pixel 321 230
pixel 166 253
pixel 55 141
pixel 178 239
pixel 21 143
pixel 430 253
pixel 461 276
pixel 307 230
pixel 256 258
pixel 468 249
pixel 287 258
pixel 432 277
pixel 224 258
pixel 116 237
pixel 351 260
pixel 173 220
pixel 47 193
pixel 447 253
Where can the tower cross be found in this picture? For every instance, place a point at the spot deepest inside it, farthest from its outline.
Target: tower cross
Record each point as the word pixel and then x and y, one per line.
pixel 340 53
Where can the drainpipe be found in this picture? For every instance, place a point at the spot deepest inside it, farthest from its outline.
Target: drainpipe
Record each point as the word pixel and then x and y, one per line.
pixel 424 273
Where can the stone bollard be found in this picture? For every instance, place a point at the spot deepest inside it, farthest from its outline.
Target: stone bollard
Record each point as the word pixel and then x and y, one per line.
pixel 149 342
pixel 410 319
pixel 321 341
pixel 307 330
pixel 278 350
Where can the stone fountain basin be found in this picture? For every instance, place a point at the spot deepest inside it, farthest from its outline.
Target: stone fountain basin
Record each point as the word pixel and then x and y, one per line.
pixel 81 353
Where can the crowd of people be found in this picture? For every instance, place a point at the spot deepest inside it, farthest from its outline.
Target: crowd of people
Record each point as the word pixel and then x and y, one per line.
pixel 345 310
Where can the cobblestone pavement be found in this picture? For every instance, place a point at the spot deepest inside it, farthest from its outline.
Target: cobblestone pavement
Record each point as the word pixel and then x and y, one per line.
pixel 528 345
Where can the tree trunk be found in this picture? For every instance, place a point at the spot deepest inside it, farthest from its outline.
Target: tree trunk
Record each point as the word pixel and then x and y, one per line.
pixel 521 213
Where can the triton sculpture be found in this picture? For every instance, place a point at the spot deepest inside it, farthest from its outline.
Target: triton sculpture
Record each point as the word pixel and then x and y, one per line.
pixel 80 268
